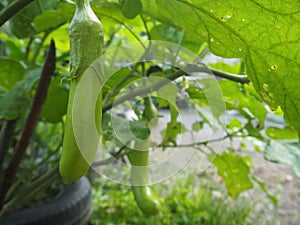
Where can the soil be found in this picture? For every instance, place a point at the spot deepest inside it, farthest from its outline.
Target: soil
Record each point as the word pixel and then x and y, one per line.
pixel 282 180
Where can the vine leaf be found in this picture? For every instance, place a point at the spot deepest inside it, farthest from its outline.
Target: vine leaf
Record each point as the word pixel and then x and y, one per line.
pixel 131 8
pixel 234 170
pixel 265 35
pixel 22 23
pixel 11 72
pixel 287 152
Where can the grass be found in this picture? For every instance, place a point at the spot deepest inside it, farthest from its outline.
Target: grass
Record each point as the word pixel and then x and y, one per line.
pixel 193 200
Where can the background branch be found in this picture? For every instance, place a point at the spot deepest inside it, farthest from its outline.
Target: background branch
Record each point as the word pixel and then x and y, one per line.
pixel 31 121
pixel 173 76
pixel 5 137
pixel 12 9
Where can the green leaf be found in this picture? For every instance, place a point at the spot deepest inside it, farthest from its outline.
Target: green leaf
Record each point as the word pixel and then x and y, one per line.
pixel 2 92
pixel 287 152
pixel 234 123
pixel 234 69
pixel 61 38
pixel 55 106
pixel 14 103
pixel 191 42
pixel 113 12
pixel 54 18
pixel 115 131
pixel 171 132
pixel 265 34
pixel 234 171
pixel 13 47
pixel 207 93
pixel 140 129
pixel 11 72
pixel 164 32
pixel 246 104
pixel 198 95
pixel 131 8
pixel 253 131
pixel 198 125
pixel 22 24
pixel 116 82
pixel 281 133
pixel 31 79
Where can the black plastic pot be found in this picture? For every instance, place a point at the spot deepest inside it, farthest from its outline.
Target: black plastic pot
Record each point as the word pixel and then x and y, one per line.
pixel 72 206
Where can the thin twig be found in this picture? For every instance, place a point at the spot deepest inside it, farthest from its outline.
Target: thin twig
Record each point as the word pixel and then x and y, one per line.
pixel 146 27
pixel 27 49
pixel 119 154
pixel 194 144
pixel 128 28
pixel 31 121
pixel 12 9
pixel 37 50
pixel 5 137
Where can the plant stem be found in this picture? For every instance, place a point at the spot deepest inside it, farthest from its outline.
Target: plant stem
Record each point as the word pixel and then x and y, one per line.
pixel 229 76
pixel 113 158
pixel 143 91
pixel 5 137
pixel 146 27
pixel 28 48
pixel 128 28
pixel 37 51
pixel 111 38
pixel 228 135
pixel 31 121
pixel 173 76
pixel 12 9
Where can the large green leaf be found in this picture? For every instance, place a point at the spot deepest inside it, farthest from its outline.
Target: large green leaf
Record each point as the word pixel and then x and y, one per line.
pixel 287 152
pixel 16 101
pixel 22 23
pixel 131 8
pixel 234 171
pixel 54 18
pixel 247 105
pixel 281 133
pixel 11 72
pixel 264 33
pixel 164 32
